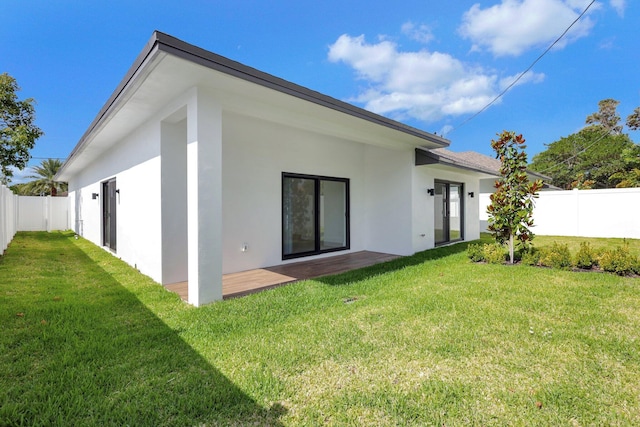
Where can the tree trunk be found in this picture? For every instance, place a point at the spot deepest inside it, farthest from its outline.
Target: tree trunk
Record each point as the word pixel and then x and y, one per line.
pixel 511 249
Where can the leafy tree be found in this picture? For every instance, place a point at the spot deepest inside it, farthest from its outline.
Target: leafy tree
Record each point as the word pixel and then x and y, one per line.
pixel 16 188
pixel 607 117
pixel 582 183
pixel 633 120
pixel 511 208
pixel 18 132
pixel 630 175
pixel 592 157
pixel 585 156
pixel 43 183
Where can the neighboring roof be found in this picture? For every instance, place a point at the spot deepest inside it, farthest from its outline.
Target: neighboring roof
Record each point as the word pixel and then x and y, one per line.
pixel 162 45
pixel 467 160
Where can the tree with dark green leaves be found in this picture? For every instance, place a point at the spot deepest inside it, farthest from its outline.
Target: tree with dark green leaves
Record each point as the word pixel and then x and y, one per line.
pixel 18 132
pixel 511 208
pixel 592 157
pixel 44 183
pixel 630 175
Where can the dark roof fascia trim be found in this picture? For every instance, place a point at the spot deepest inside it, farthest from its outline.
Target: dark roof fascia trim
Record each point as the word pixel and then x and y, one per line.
pixel 165 43
pixel 150 49
pixel 426 157
pixel 216 62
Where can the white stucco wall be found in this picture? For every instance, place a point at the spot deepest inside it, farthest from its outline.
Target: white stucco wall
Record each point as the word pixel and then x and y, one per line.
pixel 390 210
pixel 423 209
pixel 135 163
pixel 389 200
pixel 255 154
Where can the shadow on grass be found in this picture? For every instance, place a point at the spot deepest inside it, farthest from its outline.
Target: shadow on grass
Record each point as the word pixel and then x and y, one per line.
pixel 396 264
pixel 77 348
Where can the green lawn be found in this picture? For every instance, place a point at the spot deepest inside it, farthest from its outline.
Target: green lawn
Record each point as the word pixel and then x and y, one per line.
pixel 425 340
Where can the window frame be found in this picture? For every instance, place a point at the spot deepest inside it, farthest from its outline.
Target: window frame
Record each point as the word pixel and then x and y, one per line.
pixel 317 215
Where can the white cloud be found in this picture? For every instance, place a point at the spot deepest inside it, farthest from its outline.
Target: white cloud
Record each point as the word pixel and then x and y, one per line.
pixel 514 26
pixel 445 130
pixel 619 6
pixel 21 176
pixel 419 33
pixel 422 85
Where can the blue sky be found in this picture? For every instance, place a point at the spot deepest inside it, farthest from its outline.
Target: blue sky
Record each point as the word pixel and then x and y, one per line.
pixel 431 65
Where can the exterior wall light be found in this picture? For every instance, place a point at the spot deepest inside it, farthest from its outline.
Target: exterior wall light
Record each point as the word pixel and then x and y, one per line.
pixel 470 193
pixel 431 191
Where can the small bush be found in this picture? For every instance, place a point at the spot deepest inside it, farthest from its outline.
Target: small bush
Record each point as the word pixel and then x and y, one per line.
pixel 585 257
pixel 556 256
pixel 475 252
pixel 494 253
pixel 619 261
pixel 531 256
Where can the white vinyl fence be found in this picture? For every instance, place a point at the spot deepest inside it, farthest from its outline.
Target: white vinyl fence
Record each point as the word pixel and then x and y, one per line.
pixel 8 217
pixel 42 213
pixel 612 212
pixel 30 213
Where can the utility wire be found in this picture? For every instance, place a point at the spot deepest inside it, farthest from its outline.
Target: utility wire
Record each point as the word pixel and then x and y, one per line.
pixel 605 134
pixel 521 75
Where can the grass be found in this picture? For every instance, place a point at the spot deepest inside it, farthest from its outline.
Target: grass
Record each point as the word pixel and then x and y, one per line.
pixel 574 242
pixel 425 340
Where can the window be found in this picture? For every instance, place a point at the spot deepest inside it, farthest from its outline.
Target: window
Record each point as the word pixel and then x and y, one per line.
pixel 315 215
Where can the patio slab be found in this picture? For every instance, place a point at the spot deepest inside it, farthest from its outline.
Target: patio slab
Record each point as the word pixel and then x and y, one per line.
pixel 251 281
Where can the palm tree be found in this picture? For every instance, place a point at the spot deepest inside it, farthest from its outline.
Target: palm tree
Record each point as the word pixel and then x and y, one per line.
pixel 44 183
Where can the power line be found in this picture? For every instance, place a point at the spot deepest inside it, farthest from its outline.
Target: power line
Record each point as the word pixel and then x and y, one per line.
pixel 607 133
pixel 524 72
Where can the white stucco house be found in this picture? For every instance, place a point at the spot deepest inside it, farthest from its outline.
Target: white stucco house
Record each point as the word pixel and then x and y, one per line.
pixel 199 166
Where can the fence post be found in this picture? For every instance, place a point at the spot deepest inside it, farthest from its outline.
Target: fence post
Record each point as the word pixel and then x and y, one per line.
pixel 8 217
pixel 3 220
pixel 49 210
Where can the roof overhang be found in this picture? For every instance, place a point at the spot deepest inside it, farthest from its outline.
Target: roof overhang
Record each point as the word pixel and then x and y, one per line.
pixel 426 157
pixel 168 67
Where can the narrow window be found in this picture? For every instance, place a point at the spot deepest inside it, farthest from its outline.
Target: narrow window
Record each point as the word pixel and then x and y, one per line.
pixel 315 215
pixel 109 223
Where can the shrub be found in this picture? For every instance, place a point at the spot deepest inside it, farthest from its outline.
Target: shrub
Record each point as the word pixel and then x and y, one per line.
pixel 475 252
pixel 494 253
pixel 531 256
pixel 585 257
pixel 556 256
pixel 619 261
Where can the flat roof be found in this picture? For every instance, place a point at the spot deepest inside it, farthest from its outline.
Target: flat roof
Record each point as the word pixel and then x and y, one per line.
pixel 161 43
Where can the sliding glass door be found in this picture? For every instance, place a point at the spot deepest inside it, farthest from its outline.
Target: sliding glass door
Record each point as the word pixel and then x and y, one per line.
pixel 448 212
pixel 315 215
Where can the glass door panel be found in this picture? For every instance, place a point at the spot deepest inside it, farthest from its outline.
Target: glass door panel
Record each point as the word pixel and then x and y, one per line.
pixel 440 212
pixel 333 214
pixel 299 212
pixel 448 212
pixel 315 215
pixel 455 213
